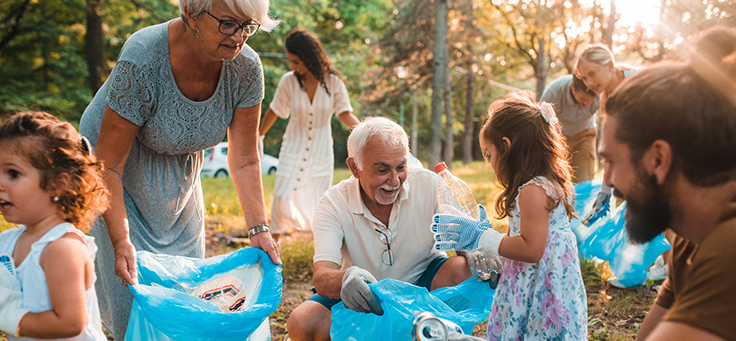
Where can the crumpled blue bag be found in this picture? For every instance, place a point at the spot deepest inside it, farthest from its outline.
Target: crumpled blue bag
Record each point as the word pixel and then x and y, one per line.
pixel 165 309
pixel 466 304
pixel 585 195
pixel 607 239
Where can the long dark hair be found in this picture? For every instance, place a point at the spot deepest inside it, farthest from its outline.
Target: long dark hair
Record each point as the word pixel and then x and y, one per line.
pixel 537 149
pixel 305 45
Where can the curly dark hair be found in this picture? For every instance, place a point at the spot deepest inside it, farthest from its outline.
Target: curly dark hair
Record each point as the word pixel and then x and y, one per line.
pixel 537 148
pixel 54 148
pixel 305 45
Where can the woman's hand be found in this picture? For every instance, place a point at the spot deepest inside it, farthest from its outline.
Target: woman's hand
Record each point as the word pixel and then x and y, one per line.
pixel 125 261
pixel 264 242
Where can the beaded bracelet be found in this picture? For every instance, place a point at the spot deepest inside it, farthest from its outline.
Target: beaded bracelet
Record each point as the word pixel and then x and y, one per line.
pixel 256 229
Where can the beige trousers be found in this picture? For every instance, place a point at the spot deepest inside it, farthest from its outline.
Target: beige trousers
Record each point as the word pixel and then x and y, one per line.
pixel 583 151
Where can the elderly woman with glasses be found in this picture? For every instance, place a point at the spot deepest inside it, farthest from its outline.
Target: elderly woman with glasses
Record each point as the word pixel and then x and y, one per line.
pixel 177 89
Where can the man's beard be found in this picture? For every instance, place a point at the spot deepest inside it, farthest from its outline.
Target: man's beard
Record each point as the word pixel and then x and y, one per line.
pixel 647 211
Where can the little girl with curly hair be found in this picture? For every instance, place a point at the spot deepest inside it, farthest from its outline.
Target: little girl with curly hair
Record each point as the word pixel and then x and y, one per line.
pixel 51 185
pixel 541 295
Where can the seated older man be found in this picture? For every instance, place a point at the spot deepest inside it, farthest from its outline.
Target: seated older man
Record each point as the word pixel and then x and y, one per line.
pixel 372 226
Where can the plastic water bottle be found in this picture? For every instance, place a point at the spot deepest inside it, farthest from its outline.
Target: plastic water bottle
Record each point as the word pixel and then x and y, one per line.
pixel 456 198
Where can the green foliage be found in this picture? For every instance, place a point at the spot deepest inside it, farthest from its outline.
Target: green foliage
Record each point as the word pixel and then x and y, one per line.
pixel 296 256
pixel 42 66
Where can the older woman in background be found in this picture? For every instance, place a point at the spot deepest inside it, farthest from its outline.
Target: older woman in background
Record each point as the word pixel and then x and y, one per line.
pixel 177 89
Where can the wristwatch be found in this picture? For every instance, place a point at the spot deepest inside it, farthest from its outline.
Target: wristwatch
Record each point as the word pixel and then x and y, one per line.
pixel 256 229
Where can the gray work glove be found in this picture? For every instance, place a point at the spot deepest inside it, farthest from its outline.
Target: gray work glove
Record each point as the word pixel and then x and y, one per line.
pixel 11 299
pixel 356 294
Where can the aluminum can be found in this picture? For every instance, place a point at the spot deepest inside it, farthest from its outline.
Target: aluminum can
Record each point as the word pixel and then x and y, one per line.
pixel 428 327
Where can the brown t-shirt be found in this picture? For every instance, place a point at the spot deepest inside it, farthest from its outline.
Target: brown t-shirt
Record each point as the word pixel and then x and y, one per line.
pixel 701 288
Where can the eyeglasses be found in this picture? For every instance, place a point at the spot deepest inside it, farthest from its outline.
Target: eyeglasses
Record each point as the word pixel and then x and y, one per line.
pixel 229 27
pixel 387 257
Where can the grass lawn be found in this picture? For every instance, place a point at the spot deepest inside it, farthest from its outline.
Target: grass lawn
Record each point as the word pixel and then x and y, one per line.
pixel 613 314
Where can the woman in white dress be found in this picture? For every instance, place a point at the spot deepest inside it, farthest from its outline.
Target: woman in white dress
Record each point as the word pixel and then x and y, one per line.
pixel 309 95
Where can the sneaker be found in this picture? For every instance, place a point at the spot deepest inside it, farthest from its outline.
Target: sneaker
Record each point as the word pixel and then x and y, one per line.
pixel 658 271
pixel 613 281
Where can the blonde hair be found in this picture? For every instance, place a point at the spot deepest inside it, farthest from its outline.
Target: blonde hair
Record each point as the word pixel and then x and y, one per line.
pixel 597 54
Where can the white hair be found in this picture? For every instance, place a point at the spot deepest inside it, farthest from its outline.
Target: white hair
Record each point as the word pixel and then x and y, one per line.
pixel 256 9
pixel 381 128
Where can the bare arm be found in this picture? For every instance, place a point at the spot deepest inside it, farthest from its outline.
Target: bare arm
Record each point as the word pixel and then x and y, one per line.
pixel 68 271
pixel 348 119
pixel 651 321
pixel 113 147
pixel 327 279
pixel 268 120
pixel 529 245
pixel 245 167
pixel 675 331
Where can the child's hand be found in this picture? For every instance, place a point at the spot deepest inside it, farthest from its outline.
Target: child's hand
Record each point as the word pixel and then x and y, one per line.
pixel 459 233
pixel 11 302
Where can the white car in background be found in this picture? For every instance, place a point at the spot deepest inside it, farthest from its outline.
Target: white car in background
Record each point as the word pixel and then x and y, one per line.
pixel 215 162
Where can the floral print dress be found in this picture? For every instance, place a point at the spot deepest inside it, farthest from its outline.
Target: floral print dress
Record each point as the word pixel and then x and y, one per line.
pixel 544 300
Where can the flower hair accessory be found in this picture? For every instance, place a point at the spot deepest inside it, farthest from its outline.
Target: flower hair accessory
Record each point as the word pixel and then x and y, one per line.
pixel 548 113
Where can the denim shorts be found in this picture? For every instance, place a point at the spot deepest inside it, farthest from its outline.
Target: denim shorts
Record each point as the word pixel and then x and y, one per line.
pixel 424 281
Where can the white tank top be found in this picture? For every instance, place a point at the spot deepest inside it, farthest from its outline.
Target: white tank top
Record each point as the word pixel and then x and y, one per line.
pixel 33 280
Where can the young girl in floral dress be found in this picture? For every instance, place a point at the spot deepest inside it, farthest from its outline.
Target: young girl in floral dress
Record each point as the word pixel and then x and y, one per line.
pixel 541 295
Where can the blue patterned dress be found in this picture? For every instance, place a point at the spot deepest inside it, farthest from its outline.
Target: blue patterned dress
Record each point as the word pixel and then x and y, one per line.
pixel 544 300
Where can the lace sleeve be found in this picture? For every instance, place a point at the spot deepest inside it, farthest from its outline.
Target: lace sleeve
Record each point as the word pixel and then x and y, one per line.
pixel 540 181
pixel 129 92
pixel 251 92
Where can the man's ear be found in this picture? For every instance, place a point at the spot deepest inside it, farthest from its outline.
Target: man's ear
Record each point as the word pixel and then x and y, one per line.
pixel 658 160
pixel 353 165
pixel 507 143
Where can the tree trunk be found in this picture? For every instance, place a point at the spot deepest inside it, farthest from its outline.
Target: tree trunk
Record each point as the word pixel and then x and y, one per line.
pixel 608 31
pixel 661 31
pixel 449 120
pixel 469 85
pixel 540 69
pixel 94 45
pixel 469 116
pixel 414 134
pixel 438 82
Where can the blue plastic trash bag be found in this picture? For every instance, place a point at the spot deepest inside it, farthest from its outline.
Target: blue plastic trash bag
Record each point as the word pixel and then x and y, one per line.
pixel 585 195
pixel 238 292
pixel 609 241
pixel 466 304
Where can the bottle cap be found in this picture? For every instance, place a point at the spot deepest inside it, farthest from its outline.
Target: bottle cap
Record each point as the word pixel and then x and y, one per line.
pixel 440 167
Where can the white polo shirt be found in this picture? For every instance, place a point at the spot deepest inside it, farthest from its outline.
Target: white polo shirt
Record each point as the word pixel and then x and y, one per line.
pixel 344 228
